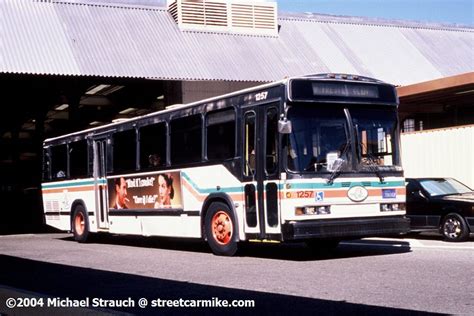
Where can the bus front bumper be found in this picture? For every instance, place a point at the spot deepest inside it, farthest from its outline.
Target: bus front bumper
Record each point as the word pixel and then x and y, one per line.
pixel 346 228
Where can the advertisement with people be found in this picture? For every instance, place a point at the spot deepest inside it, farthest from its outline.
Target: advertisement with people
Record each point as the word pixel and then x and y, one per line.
pixel 156 191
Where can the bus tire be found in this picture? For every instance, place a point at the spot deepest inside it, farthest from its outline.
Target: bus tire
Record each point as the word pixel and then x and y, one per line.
pixel 454 228
pixel 80 224
pixel 220 229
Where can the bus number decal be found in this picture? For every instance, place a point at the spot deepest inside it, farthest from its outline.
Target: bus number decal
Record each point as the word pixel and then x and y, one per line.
pixel 304 194
pixel 261 96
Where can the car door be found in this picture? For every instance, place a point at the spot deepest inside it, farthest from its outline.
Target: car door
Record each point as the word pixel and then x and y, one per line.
pixel 417 205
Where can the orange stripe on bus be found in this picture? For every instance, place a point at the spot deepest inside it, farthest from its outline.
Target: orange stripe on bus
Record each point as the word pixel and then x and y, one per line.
pixel 334 193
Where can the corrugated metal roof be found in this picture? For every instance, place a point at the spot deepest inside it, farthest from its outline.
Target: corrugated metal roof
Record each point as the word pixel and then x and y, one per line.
pixel 73 38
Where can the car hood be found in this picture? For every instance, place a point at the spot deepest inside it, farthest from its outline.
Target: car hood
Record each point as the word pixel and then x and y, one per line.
pixel 467 198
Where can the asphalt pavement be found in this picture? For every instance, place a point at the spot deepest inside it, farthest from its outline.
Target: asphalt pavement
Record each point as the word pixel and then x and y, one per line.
pixel 397 276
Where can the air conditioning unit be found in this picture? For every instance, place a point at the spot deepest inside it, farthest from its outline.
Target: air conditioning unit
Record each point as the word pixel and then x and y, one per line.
pixel 231 16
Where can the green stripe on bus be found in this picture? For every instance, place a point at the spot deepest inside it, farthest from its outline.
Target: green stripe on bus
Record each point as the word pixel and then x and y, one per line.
pixel 71 184
pixel 339 185
pixel 302 185
pixel 207 191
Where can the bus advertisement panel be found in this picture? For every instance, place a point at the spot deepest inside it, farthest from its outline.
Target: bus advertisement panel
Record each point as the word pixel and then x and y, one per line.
pixel 151 191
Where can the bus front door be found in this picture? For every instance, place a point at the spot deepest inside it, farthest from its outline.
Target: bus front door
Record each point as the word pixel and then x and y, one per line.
pixel 260 155
pixel 100 182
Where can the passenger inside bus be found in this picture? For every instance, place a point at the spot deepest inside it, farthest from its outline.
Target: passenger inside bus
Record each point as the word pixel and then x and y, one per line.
pixel 154 160
pixel 252 160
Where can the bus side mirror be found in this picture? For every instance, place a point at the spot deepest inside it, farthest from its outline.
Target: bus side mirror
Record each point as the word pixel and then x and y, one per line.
pixel 284 126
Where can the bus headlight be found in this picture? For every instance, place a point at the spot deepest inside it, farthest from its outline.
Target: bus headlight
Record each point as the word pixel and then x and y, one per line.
pixel 392 207
pixel 313 210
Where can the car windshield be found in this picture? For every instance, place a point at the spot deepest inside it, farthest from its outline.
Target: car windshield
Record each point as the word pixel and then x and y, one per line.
pixel 320 139
pixel 437 187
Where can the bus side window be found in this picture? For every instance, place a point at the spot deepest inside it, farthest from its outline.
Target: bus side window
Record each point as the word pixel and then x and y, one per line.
pixel 271 141
pixel 153 146
pixel 186 139
pixel 59 161
pixel 46 165
pixel 78 162
pixel 249 144
pixel 124 151
pixel 220 134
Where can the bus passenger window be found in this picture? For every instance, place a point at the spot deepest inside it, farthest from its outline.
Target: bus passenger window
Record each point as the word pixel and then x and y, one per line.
pixel 124 150
pixel 220 134
pixel 59 161
pixel 78 162
pixel 153 145
pixel 186 139
pixel 46 165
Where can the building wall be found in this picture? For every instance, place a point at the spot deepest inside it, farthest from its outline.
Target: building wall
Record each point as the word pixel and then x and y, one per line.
pixel 199 90
pixel 447 152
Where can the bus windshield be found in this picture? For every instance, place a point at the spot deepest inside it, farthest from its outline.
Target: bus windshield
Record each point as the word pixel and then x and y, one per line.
pixel 321 139
pixel 376 136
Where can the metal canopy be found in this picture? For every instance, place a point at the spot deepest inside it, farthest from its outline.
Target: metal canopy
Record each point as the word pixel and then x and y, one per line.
pixel 143 41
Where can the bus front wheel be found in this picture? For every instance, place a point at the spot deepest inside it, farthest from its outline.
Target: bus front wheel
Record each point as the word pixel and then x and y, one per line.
pixel 220 229
pixel 80 224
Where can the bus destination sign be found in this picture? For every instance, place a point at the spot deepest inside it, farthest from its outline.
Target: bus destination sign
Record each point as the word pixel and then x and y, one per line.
pixel 345 90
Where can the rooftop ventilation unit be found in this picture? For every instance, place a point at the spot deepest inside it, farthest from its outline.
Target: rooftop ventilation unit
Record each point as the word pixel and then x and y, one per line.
pixel 232 16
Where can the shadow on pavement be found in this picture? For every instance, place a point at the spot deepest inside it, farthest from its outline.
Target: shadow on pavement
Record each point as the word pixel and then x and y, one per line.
pixel 56 280
pixel 279 251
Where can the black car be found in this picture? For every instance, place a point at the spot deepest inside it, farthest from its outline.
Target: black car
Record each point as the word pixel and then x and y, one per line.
pixel 442 204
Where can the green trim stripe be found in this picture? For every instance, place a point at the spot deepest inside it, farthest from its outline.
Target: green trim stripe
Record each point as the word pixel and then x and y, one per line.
pixel 301 186
pixel 71 184
pixel 338 185
pixel 209 190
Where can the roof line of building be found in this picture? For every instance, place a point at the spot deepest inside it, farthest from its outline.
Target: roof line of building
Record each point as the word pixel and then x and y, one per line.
pixel 358 20
pixel 108 5
pixel 437 84
pixel 308 17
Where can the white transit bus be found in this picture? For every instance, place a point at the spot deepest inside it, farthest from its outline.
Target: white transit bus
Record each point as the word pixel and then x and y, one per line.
pixel 313 158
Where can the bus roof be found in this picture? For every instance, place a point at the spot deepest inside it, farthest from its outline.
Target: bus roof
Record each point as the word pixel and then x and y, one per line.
pixel 170 108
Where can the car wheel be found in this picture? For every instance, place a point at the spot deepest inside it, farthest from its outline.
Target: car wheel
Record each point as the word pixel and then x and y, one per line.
pixel 454 228
pixel 80 224
pixel 220 229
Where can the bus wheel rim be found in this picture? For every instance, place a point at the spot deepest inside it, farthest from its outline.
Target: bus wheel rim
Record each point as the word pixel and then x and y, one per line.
pixel 222 228
pixel 79 224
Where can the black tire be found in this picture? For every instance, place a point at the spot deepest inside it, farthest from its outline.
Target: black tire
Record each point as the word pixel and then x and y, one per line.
pixel 80 224
pixel 220 229
pixel 454 228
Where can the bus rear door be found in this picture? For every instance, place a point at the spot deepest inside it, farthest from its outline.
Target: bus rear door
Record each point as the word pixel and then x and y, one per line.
pixel 100 182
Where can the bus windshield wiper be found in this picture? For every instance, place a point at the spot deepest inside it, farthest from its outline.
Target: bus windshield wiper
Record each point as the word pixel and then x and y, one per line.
pixel 336 172
pixel 339 162
pixel 373 166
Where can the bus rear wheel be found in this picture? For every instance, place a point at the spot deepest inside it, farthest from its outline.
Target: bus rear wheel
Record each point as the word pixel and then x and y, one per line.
pixel 80 224
pixel 220 229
